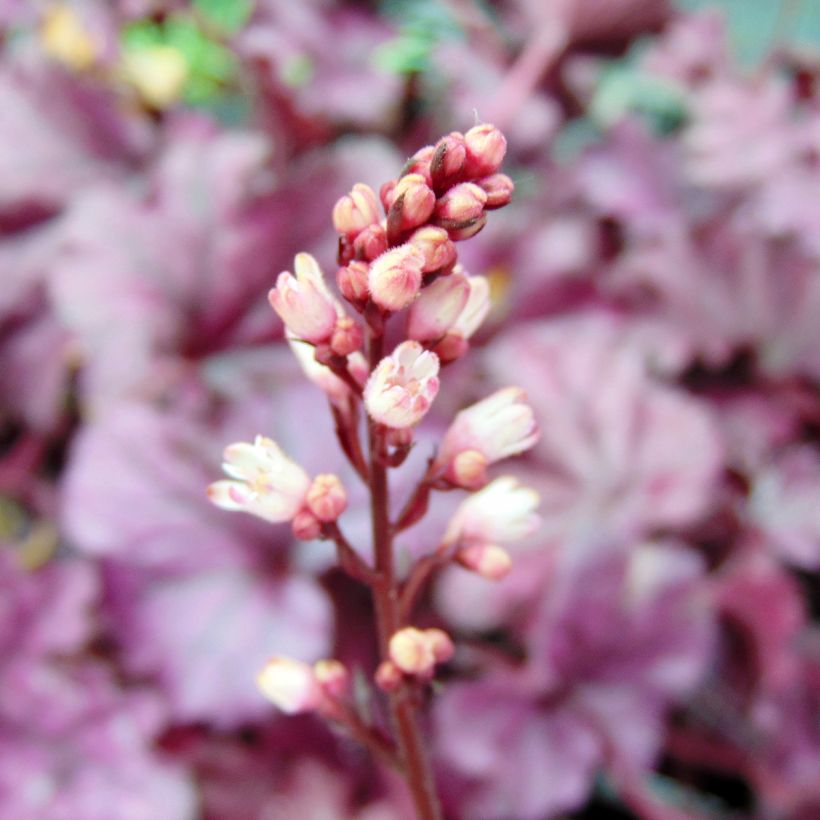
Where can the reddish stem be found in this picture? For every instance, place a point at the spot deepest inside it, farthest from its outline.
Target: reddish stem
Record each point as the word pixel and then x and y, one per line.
pixel 386 601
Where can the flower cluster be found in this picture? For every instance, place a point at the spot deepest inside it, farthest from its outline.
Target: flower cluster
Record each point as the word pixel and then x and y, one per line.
pixel 406 259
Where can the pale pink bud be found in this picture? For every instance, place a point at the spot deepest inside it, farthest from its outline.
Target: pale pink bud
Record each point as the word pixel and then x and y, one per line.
pixel 487 560
pixel 388 676
pixel 265 482
pixel 306 526
pixel 441 644
pixel 356 210
pixel 468 230
pixel 326 497
pixel 448 159
pixel 486 147
pixel 332 676
pixel 402 387
pixel 395 277
pixel 303 302
pixel 371 242
pixel 413 202
pixel 412 651
pixel 468 469
pixel 451 347
pixel 504 511
pixel 386 193
pixel 499 189
pixel 438 307
pixel 419 163
pixel 461 206
pixel 497 427
pixel 346 338
pixel 291 685
pixel 439 251
pixel 352 281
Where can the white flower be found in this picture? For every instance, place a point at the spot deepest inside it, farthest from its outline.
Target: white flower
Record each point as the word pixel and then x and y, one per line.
pixel 499 426
pixel 476 309
pixel 303 302
pixel 402 387
pixel 438 306
pixel 265 482
pixel 504 511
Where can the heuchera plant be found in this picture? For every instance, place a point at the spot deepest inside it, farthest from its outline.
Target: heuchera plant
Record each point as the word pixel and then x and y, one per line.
pixel 403 262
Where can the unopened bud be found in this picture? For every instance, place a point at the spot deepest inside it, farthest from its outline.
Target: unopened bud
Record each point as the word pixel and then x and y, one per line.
pixel 413 202
pixel 332 676
pixel 461 205
pixel 412 652
pixel 371 242
pixel 420 163
pixel 499 189
pixel 347 337
pixel 467 231
pixel 306 526
pixel 441 644
pixel 452 347
pixel 395 277
pixel 387 193
pixel 290 685
pixel 448 160
pixel 469 470
pixel 352 281
pixel 388 676
pixel 353 212
pixel 437 308
pixel 486 147
pixel 435 244
pixel 326 497
pixel 488 560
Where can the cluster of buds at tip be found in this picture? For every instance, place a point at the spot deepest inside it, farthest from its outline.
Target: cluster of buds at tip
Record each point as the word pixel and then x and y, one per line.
pixel 266 483
pixel 413 653
pixel 295 687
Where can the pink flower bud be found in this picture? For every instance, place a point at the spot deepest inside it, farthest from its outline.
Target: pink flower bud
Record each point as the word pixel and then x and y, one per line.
pixel 497 427
pixel 352 281
pixel 486 147
pixel 499 189
pixel 413 202
pixel 371 242
pixel 468 469
pixel 438 307
pixel 448 160
pixel 387 193
pixel 264 481
pixel 412 652
pixel 441 644
pixel 388 676
pixel 467 231
pixel 346 338
pixel 419 163
pixel 291 685
pixel 395 277
pixel 461 206
pixel 326 497
pixel 451 348
pixel 438 250
pixel 402 387
pixel 487 560
pixel 306 526
pixel 333 677
pixel 356 210
pixel 303 302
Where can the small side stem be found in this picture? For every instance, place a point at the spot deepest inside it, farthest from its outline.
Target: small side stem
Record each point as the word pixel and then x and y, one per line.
pixel 386 601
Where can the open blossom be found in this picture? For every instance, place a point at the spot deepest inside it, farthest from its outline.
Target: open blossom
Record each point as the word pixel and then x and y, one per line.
pixel 303 301
pixel 503 511
pixel 454 344
pixel 499 426
pixel 264 481
pixel 438 307
pixel 402 387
